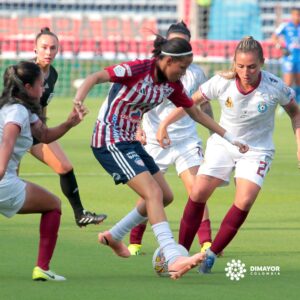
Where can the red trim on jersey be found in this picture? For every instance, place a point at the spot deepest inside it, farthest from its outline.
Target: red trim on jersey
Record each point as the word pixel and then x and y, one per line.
pixel 240 89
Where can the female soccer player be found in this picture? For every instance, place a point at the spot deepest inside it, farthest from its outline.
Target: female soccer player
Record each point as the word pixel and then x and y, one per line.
pixel 139 86
pixel 248 97
pixel 290 31
pixel 19 121
pixel 46 47
pixel 183 148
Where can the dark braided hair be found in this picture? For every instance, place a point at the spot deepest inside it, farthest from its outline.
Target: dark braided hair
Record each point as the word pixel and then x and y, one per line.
pixel 14 79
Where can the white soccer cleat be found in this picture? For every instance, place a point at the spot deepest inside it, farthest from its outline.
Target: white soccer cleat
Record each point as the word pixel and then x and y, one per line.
pixel 39 274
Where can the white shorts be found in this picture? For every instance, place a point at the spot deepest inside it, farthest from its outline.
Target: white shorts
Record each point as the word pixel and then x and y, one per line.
pixel 12 196
pixel 183 155
pixel 221 158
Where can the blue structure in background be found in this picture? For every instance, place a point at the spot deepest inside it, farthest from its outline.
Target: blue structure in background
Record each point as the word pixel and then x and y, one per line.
pixel 233 20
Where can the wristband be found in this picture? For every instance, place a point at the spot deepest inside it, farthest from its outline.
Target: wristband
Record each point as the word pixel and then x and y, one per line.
pixel 229 137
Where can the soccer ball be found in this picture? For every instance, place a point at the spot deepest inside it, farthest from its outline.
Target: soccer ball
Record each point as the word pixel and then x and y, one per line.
pixel 159 263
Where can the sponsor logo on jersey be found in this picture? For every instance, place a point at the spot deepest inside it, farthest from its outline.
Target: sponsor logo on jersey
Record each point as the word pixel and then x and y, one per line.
pixel 262 107
pixel 128 70
pixel 167 90
pixel 229 102
pixel 119 71
pixel 133 117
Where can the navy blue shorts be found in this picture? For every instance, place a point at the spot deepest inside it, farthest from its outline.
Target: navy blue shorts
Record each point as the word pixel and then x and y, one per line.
pixel 125 160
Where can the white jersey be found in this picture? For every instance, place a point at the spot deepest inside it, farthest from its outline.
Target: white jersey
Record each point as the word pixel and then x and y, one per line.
pixel 183 128
pixel 17 114
pixel 249 116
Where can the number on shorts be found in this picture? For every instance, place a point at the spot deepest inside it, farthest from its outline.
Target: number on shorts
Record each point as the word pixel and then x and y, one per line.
pixel 261 171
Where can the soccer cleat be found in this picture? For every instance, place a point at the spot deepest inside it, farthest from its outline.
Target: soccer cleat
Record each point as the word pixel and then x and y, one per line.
pixel 207 264
pixel 183 264
pixel 118 247
pixel 39 274
pixel 87 218
pixel 135 249
pixel 205 246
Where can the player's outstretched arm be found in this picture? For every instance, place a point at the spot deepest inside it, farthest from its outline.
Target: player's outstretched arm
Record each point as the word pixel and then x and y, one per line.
pixel 86 86
pixel 47 135
pixel 209 123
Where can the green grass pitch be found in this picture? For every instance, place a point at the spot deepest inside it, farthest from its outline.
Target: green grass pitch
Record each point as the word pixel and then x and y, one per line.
pixel 270 236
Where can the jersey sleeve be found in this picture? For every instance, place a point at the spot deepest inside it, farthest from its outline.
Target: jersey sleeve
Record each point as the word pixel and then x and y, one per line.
pixel 286 95
pixel 179 96
pixel 210 89
pixel 17 114
pixel 126 71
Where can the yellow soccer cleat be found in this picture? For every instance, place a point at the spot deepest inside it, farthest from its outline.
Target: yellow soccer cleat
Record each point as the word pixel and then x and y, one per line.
pixel 39 274
pixel 135 249
pixel 205 246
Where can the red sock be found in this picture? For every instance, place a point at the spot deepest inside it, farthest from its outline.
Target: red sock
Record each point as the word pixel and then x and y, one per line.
pixel 190 222
pixel 204 232
pixel 136 234
pixel 49 226
pixel 233 220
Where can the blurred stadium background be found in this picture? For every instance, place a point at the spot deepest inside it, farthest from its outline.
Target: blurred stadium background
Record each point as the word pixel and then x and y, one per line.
pixel 95 33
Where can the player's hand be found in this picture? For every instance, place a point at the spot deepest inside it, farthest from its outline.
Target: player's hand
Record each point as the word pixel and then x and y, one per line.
pixel 141 136
pixel 80 108
pixel 243 148
pixel 75 117
pixel 162 137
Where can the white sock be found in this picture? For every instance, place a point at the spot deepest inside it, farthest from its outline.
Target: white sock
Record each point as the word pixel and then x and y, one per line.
pixel 166 241
pixel 132 219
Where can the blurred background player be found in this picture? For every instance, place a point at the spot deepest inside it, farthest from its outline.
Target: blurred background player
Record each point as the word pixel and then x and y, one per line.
pixel 183 149
pixel 290 33
pixel 46 48
pixel 248 97
pixel 19 121
pixel 139 86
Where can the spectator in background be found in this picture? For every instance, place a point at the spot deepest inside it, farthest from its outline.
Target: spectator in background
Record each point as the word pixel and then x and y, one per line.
pixel 287 37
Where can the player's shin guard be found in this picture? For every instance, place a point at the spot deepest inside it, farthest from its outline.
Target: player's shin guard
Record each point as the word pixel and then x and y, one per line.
pixel 49 226
pixel 190 222
pixel 233 220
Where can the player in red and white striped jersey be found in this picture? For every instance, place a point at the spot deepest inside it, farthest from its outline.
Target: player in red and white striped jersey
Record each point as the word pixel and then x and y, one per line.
pixel 139 86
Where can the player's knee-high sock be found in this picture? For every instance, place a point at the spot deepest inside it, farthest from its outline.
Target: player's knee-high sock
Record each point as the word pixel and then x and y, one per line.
pixel 190 222
pixel 166 241
pixel 70 189
pixel 136 234
pixel 297 90
pixel 132 219
pixel 233 220
pixel 204 232
pixel 49 226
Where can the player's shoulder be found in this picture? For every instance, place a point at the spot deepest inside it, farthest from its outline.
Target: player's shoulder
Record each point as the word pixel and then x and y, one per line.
pixel 272 79
pixel 53 72
pixel 276 83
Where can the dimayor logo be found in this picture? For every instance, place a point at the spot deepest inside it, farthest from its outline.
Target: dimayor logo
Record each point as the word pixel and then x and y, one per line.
pixel 236 270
